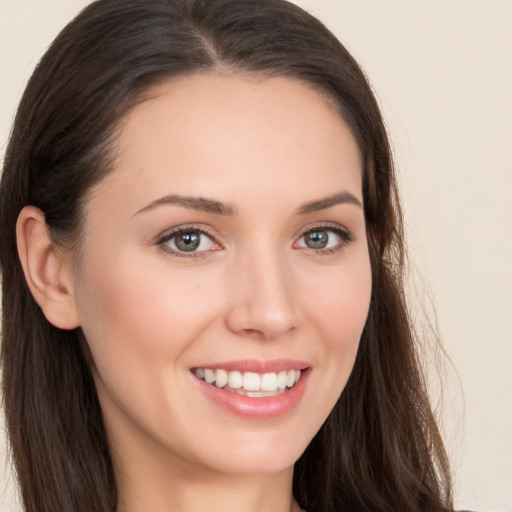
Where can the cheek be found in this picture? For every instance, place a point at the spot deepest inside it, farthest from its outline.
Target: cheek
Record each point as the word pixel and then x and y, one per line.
pixel 138 319
pixel 138 304
pixel 340 301
pixel 339 308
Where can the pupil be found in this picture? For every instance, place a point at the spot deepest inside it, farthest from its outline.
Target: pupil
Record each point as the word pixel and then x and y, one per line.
pixel 317 239
pixel 187 241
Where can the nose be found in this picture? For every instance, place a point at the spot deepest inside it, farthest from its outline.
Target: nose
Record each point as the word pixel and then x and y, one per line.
pixel 262 302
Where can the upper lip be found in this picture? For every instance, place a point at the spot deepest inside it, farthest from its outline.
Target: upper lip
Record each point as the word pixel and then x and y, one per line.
pixel 257 365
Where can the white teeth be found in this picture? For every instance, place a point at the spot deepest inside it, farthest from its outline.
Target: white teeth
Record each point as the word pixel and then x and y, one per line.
pixel 235 380
pixel 268 382
pixel 259 394
pixel 281 380
pixel 250 383
pixel 221 378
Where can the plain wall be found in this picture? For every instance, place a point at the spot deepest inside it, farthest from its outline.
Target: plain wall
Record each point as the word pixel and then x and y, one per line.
pixel 442 71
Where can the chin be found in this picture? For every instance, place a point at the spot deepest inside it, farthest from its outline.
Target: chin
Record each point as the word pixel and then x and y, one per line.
pixel 257 453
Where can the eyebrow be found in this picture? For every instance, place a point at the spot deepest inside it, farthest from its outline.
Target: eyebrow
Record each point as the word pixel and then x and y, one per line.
pixel 217 207
pixel 343 197
pixel 192 203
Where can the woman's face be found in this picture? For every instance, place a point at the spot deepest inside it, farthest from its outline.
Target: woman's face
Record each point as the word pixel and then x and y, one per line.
pixel 228 243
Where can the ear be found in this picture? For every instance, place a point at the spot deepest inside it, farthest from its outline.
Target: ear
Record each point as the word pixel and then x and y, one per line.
pixel 47 269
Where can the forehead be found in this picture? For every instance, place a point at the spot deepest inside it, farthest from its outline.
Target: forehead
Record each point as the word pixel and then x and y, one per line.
pixel 232 136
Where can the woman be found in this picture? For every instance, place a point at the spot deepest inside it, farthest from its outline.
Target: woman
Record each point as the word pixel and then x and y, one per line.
pixel 202 255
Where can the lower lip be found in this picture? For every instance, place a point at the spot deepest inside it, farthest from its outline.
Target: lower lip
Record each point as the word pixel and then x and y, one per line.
pixel 257 407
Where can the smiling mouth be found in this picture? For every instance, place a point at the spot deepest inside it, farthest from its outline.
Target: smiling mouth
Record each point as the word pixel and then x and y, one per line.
pixel 250 384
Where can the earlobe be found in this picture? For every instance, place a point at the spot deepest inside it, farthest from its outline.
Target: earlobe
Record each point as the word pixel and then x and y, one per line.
pixel 47 269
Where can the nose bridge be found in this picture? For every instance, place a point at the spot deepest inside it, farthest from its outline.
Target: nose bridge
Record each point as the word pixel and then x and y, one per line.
pixel 263 299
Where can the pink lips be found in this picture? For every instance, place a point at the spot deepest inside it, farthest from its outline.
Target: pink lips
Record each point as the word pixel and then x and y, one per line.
pixel 258 407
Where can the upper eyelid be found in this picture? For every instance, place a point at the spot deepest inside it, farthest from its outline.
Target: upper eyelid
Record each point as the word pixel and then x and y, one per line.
pixel 169 233
pixel 327 225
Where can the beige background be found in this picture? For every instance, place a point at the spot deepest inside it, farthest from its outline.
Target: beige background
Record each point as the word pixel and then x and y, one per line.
pixel 443 73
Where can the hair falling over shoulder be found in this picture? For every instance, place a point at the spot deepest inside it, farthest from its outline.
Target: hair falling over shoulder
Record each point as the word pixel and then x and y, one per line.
pixel 380 448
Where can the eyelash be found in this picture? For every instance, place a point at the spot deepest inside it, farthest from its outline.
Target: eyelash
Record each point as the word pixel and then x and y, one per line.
pixel 345 236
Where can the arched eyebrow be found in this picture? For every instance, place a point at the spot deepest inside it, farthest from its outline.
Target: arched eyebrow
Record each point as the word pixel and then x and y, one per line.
pixel 343 197
pixel 192 203
pixel 219 208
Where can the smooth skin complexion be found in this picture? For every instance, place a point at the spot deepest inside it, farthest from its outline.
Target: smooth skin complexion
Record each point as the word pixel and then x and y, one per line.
pixel 229 236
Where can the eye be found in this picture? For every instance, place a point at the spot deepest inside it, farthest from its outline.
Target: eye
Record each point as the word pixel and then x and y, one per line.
pixel 187 241
pixel 326 239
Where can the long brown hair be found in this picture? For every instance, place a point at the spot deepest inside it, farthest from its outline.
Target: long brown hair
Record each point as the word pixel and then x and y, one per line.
pixel 380 448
